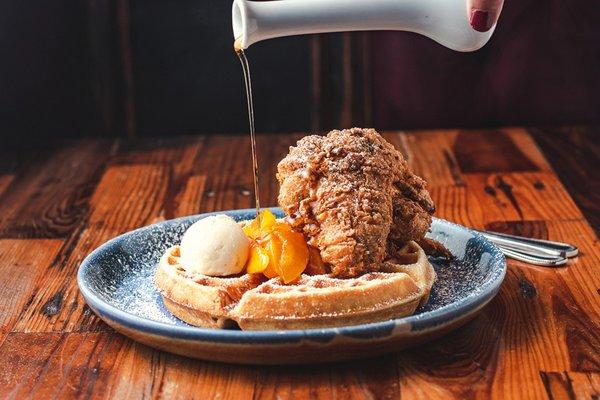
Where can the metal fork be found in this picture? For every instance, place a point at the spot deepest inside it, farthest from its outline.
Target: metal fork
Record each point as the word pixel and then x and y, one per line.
pixel 533 251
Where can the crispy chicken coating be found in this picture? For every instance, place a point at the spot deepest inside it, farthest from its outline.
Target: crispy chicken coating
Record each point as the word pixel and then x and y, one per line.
pixel 352 194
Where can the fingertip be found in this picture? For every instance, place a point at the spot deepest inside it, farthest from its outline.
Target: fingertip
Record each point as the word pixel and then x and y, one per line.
pixel 480 20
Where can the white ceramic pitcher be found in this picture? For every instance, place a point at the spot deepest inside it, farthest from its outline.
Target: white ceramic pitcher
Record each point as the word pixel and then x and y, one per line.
pixel 444 21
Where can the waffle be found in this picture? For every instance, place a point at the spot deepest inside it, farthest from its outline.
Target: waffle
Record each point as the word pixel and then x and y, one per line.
pixel 255 303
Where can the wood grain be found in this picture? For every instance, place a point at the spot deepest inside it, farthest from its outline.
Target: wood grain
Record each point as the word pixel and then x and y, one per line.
pixel 430 155
pixel 23 263
pixel 537 339
pixel 188 199
pixel 48 197
pixel 127 196
pixel 475 152
pixel 441 157
pixel 575 156
pixel 522 196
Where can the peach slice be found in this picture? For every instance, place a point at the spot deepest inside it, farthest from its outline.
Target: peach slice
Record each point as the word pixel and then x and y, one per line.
pixel 294 256
pixel 258 261
pixel 276 250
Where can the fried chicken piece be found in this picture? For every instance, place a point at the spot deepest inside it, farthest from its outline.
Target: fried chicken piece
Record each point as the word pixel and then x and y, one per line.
pixel 435 249
pixel 412 207
pixel 350 192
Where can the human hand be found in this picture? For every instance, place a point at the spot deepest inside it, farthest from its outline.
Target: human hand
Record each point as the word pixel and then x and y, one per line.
pixel 483 14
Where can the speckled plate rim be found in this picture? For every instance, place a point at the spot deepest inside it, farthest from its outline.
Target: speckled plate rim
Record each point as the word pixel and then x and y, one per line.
pixel 416 324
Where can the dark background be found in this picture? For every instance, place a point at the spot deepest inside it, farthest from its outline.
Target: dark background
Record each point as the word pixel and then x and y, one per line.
pixel 93 68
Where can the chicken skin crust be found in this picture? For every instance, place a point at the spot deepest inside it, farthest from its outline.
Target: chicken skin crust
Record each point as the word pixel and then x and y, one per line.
pixel 353 196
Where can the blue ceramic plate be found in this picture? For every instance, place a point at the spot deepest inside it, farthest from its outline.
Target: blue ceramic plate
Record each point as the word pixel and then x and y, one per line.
pixel 116 282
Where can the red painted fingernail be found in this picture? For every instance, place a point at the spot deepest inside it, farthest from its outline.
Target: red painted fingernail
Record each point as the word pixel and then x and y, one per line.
pixel 480 20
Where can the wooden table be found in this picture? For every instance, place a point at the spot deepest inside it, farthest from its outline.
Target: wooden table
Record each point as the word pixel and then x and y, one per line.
pixel 540 337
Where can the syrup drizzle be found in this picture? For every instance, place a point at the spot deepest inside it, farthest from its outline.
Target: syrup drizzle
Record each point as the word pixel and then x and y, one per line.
pixel 237 46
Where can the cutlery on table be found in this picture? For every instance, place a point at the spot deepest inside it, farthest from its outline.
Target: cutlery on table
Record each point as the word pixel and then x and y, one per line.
pixel 533 251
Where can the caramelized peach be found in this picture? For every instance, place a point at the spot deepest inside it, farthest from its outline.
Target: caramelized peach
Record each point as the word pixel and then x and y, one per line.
pixel 277 250
pixel 274 247
pixel 260 226
pixel 258 261
pixel 294 255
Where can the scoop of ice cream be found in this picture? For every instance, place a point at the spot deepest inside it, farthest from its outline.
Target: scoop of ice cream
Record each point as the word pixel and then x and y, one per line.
pixel 215 246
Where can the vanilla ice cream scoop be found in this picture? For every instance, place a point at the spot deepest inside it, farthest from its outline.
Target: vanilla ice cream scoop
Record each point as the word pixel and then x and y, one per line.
pixel 215 246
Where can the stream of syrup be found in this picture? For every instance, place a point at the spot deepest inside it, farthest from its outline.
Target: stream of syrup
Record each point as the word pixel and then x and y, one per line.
pixel 237 46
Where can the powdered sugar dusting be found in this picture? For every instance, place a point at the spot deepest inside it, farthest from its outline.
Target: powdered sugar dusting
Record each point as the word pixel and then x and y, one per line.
pixel 122 274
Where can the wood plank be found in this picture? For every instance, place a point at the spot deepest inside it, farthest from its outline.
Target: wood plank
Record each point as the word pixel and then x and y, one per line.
pixel 537 338
pixel 558 385
pixel 226 162
pixel 441 157
pixel 574 153
pixel 188 200
pixel 430 155
pixel 127 197
pixel 179 155
pixel 23 262
pixel 527 145
pixel 487 201
pixel 580 274
pixel 586 385
pixel 366 379
pixel 579 301
pixel 185 190
pixel 120 368
pixel 179 150
pixel 543 319
pixel 186 378
pixel 533 335
pixel 48 198
pixel 558 330
pixel 469 362
pixel 57 365
pixel 136 372
pixel 497 355
pixel 500 150
pixel 459 204
pixel 571 385
pixel 460 365
pixel 522 196
pixel 108 365
pixel 534 229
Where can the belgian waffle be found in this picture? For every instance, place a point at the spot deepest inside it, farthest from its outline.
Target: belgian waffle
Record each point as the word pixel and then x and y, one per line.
pixel 313 301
